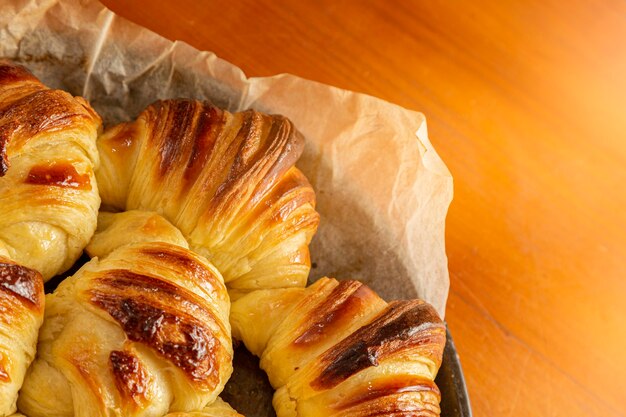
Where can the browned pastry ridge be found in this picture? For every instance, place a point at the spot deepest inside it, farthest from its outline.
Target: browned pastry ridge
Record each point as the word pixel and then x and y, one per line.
pixel 226 180
pixel 337 349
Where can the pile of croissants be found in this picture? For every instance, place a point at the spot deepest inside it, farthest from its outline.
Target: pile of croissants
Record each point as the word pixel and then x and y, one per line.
pixel 197 223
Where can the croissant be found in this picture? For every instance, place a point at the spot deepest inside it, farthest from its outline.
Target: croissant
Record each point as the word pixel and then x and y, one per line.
pixel 337 349
pixel 140 330
pixel 227 181
pixel 48 196
pixel 21 314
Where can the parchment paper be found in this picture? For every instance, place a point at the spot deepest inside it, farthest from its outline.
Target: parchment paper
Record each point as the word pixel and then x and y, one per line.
pixel 382 190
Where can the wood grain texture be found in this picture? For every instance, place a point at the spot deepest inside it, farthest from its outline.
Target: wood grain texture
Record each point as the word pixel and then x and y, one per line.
pixel 526 105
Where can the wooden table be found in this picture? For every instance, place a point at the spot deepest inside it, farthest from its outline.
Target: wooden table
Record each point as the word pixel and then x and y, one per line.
pixel 526 104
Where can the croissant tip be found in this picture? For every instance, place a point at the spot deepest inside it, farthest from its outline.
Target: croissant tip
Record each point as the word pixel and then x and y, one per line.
pixel 24 283
pixel 10 72
pixel 401 325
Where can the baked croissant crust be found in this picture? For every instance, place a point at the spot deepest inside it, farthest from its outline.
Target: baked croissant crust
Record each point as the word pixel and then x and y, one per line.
pixel 337 349
pixel 48 195
pixel 21 314
pixel 140 330
pixel 227 181
pixel 217 409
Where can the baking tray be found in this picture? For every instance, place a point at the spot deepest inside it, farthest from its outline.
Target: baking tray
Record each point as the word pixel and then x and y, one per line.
pixel 454 398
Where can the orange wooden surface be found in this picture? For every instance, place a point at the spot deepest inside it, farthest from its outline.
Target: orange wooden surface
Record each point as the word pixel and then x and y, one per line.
pixel 526 104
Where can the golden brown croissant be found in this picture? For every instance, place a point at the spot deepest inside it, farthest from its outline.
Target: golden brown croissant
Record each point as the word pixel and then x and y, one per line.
pixel 337 349
pixel 48 196
pixel 227 181
pixel 142 330
pixel 21 314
